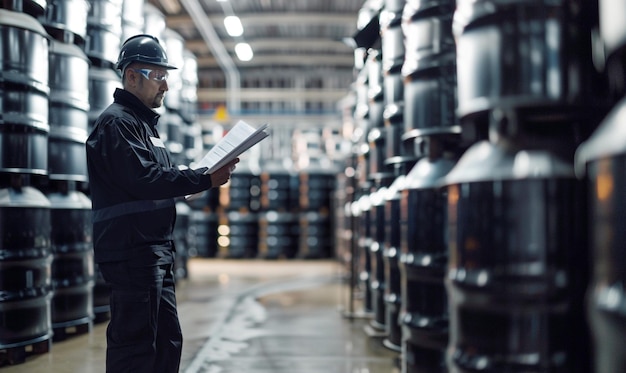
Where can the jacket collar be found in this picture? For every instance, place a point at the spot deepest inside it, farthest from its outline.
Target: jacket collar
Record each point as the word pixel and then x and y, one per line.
pixel 125 98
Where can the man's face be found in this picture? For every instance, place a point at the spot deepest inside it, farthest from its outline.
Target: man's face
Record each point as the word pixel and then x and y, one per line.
pixel 148 83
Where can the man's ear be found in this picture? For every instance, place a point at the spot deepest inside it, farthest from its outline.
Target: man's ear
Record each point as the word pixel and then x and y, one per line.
pixel 131 76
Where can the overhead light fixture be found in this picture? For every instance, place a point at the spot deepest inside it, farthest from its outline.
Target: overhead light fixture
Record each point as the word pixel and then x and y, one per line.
pixel 233 26
pixel 244 51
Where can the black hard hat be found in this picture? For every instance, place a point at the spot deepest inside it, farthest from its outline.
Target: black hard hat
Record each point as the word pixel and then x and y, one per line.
pixel 143 48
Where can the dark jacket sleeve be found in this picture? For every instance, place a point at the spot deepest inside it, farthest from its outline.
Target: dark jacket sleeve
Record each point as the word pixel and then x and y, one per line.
pixel 139 167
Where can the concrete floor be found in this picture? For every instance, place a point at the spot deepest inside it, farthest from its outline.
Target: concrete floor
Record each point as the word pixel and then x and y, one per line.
pixel 249 317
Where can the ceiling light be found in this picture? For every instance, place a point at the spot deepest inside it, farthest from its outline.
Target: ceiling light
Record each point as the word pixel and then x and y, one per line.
pixel 244 51
pixel 233 26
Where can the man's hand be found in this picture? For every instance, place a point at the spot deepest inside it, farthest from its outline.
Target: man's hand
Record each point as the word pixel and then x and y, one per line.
pixel 221 175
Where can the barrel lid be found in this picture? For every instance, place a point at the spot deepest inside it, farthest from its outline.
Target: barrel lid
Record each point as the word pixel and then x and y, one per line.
pixel 67 49
pixel 393 191
pixel 364 203
pixel 427 173
pixel 608 139
pixel 24 197
pixel 486 161
pixel 21 20
pixel 102 73
pixel 74 200
pixel 377 198
pixel 469 11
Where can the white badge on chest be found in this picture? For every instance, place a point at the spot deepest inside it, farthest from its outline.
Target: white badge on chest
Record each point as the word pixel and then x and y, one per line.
pixel 157 142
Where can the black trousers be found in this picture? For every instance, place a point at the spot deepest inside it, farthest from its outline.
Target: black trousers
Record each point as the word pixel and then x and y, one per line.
pixel 144 333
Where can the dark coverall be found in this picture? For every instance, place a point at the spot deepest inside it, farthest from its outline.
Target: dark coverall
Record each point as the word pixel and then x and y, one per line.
pixel 133 185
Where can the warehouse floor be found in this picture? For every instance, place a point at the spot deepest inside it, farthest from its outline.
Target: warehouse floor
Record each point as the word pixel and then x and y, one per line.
pixel 249 316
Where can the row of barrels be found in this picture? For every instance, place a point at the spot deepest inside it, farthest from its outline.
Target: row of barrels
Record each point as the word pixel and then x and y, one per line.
pixel 271 214
pixel 58 73
pixel 471 231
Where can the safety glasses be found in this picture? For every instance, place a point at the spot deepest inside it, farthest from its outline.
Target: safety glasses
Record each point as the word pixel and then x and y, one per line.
pixel 156 75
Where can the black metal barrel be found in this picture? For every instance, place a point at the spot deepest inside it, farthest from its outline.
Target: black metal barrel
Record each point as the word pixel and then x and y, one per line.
pixel 66 20
pixel 25 265
pixel 104 32
pixel 68 112
pixel 189 89
pixel 203 235
pixel 244 190
pixel 429 68
pixel 391 255
pixel 72 265
pixel 424 309
pixel 534 56
pixel 518 262
pixel 174 43
pixel 102 84
pixel 181 239
pixel 239 235
pixel 279 233
pixel 24 91
pixel 132 18
pixel 603 157
pixel 378 282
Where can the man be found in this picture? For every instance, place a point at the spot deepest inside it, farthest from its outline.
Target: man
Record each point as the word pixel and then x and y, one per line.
pixel 133 184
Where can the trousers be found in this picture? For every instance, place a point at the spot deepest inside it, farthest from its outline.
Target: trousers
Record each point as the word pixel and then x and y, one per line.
pixel 144 333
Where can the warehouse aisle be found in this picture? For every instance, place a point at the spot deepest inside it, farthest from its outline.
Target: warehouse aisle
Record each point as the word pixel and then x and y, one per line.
pixel 249 317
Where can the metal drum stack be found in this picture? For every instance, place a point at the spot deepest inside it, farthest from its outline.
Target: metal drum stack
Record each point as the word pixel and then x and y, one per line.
pixel 133 21
pixel 72 267
pixel 367 113
pixel 181 239
pixel 431 128
pixel 25 249
pixel 203 224
pixel 104 32
pixel 375 178
pixel 25 274
pixel 189 90
pixel 362 211
pixel 316 184
pixel 239 229
pixel 516 220
pixel 175 46
pixel 102 46
pixel 278 219
pixel 398 158
pixel 603 158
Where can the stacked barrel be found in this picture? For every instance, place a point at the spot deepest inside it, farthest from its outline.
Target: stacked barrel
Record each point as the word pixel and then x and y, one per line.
pixel 278 218
pixel 25 249
pixel 602 157
pixel 497 97
pixel 72 267
pixel 239 230
pixel 315 186
pixel 516 213
pixel 398 159
pixel 380 174
pixel 430 126
pixel 368 148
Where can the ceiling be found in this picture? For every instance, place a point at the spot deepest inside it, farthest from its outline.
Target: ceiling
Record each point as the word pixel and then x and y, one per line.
pixel 300 56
